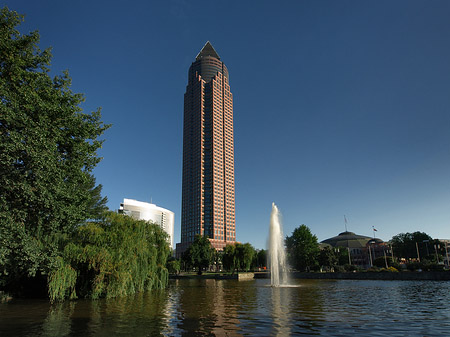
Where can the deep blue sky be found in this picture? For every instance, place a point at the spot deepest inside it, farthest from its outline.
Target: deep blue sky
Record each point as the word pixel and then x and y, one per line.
pixel 340 107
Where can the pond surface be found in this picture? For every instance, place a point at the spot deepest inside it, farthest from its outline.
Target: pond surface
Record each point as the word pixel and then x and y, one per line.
pixel 252 308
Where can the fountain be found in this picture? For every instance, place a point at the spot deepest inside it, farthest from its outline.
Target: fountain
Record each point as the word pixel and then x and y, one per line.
pixel 277 256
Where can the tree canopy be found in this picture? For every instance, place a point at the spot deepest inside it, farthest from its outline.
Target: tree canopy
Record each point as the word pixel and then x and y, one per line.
pixel 114 256
pixel 302 248
pixel 328 258
pixel 200 254
pixel 48 149
pixel 406 244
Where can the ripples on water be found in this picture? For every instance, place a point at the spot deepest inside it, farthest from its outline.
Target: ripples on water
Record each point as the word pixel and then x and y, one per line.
pixel 232 308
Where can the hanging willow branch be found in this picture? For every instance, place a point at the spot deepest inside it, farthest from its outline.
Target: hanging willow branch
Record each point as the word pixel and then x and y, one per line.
pixel 117 256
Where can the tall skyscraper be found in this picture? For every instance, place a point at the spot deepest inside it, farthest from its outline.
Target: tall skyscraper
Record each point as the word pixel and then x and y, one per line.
pixel 208 154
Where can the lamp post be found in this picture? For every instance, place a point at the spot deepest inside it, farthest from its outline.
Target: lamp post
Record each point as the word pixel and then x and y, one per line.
pixel 417 248
pixel 392 253
pixel 446 254
pixel 349 257
pixel 436 247
pixel 385 258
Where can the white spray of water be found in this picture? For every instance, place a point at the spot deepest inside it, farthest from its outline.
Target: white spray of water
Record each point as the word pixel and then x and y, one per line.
pixel 277 256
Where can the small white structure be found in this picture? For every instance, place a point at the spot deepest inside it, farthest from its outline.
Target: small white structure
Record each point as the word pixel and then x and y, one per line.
pixel 150 212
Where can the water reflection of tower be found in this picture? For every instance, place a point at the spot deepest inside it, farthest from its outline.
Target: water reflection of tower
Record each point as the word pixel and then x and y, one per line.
pixel 208 308
pixel 208 154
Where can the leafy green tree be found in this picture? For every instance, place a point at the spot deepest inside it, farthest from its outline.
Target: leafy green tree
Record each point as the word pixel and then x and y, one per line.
pixel 405 245
pixel 302 248
pixel 238 256
pixel 115 256
pixel 381 262
pixel 229 258
pixel 48 149
pixel 261 258
pixel 200 254
pixel 173 265
pixel 342 255
pixel 217 260
pixel 245 253
pixel 327 257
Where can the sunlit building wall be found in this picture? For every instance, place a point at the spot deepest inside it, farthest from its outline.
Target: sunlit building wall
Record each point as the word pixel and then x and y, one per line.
pixel 150 212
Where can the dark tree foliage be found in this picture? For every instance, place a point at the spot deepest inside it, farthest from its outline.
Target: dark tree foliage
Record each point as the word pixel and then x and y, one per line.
pixel 229 258
pixel 200 254
pixel 328 257
pixel 245 253
pixel 261 258
pixel 342 256
pixel 381 262
pixel 303 249
pixel 238 256
pixel 405 245
pixel 173 265
pixel 48 149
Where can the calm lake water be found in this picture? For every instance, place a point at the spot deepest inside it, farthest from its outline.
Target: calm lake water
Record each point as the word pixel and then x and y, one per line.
pixel 252 308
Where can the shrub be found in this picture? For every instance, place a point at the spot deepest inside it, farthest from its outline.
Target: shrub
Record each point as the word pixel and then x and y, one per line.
pixel 392 269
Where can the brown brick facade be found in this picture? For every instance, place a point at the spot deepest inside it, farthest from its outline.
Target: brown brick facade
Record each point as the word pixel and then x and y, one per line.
pixel 208 154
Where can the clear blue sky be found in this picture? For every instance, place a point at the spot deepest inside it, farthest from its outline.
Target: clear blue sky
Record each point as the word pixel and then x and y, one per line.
pixel 340 107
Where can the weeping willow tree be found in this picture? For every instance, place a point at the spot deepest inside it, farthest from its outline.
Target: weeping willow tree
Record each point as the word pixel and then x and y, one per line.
pixel 116 256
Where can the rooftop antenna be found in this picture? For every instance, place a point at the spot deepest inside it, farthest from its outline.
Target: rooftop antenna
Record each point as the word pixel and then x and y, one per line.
pixel 345 221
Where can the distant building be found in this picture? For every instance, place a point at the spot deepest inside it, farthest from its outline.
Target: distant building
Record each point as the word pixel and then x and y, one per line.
pixel 208 154
pixel 150 212
pixel 363 250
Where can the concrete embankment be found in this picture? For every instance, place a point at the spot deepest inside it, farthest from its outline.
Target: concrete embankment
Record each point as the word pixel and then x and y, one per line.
pixel 411 276
pixel 237 276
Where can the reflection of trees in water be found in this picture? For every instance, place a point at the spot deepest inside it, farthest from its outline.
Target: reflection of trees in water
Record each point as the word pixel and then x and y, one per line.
pixel 58 321
pixel 141 314
pixel 234 308
pixel 144 313
pixel 210 307
pixel 204 308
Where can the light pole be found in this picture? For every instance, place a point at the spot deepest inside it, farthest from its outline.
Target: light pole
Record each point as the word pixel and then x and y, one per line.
pixel 446 253
pixel 385 258
pixel 392 253
pixel 349 257
pixel 436 247
pixel 417 248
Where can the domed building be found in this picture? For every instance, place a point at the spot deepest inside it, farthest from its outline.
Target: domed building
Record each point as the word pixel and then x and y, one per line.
pixel 362 249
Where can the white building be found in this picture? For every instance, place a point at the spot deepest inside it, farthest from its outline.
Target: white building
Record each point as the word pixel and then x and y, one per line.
pixel 150 212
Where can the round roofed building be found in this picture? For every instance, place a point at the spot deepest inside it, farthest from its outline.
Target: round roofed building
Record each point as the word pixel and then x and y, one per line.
pixel 362 249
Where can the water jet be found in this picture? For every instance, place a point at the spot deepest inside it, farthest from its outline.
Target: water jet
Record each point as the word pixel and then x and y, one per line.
pixel 277 255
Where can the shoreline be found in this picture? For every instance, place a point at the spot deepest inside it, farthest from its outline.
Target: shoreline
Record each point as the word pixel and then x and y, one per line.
pixel 383 276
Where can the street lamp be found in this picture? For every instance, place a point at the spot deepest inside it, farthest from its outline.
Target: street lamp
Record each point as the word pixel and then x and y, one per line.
pixel 436 247
pixel 385 258
pixel 417 249
pixel 446 253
